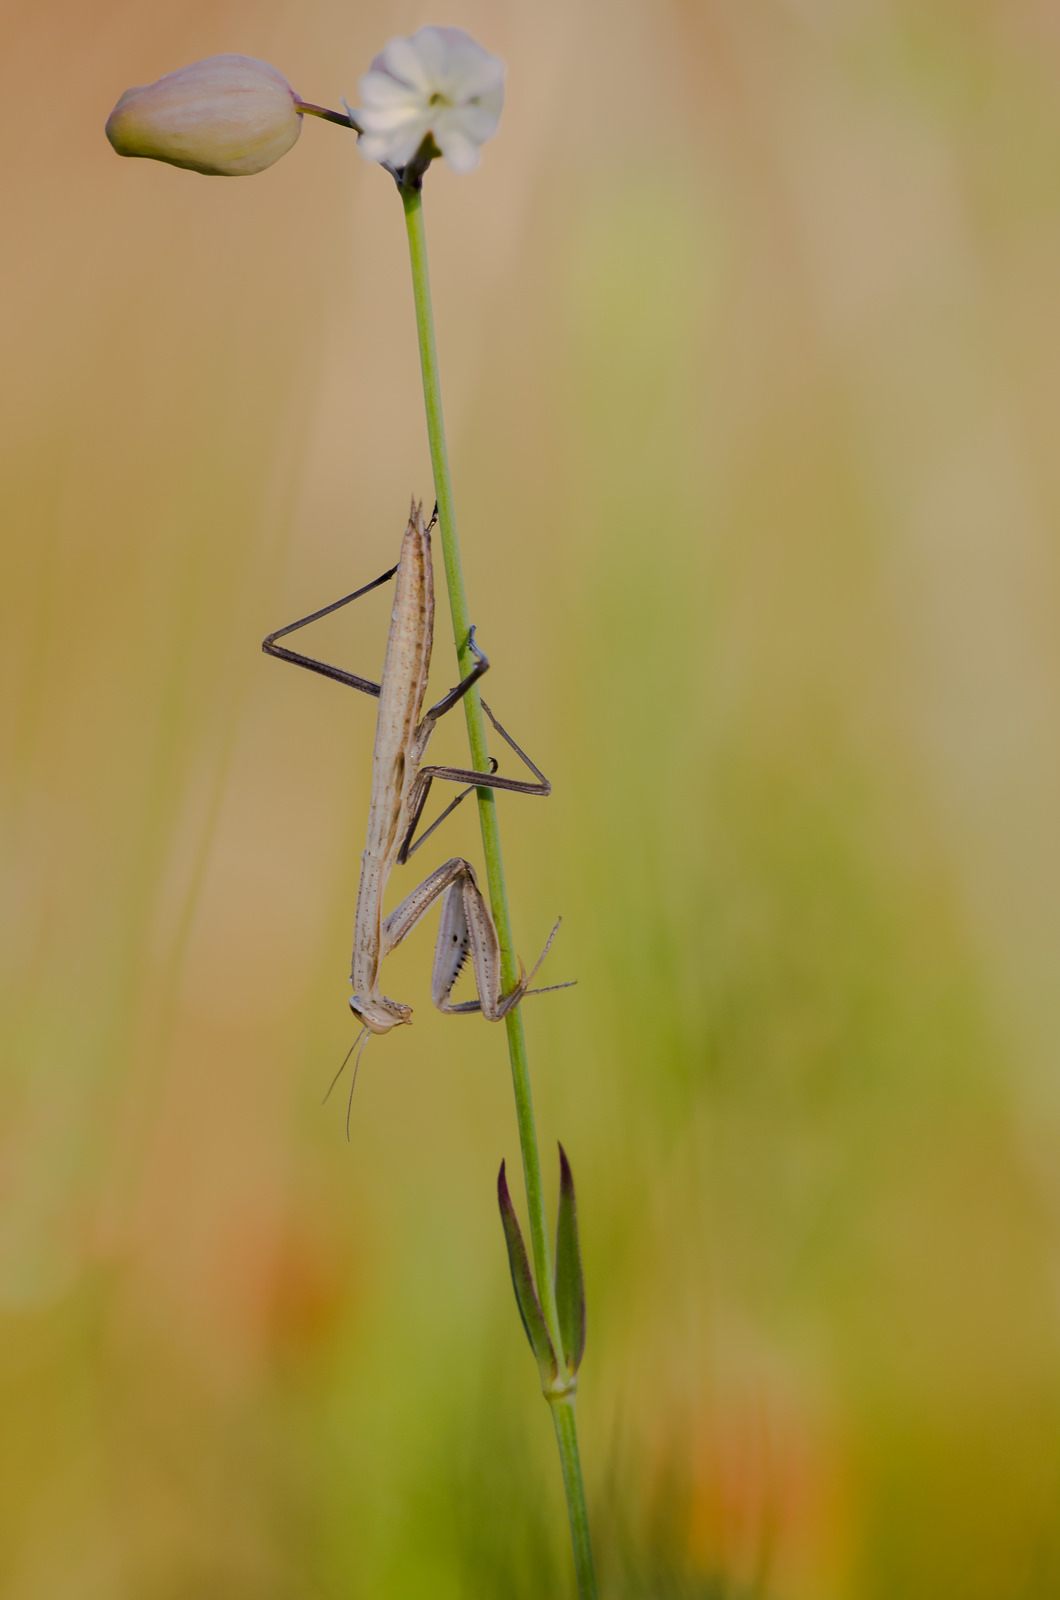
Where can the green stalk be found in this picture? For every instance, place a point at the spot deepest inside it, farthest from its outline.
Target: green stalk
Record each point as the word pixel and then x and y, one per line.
pixel 566 1426
pixel 562 1403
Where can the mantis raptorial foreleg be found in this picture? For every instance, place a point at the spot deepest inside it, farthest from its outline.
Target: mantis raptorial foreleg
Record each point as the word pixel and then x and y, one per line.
pixel 466 928
pixel 400 786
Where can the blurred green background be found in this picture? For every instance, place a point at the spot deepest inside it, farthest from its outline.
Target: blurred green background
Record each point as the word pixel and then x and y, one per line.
pixel 750 341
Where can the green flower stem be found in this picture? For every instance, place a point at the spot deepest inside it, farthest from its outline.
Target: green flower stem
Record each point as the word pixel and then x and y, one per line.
pixel 342 118
pixel 567 1438
pixel 562 1406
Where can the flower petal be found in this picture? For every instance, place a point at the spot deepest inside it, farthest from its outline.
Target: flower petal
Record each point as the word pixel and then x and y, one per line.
pixel 404 62
pixel 478 123
pixel 466 69
pixel 392 118
pixel 461 152
pixel 380 89
pixel 394 145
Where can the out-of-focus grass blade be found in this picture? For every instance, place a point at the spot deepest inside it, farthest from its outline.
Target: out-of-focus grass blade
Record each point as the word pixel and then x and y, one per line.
pixel 523 1283
pixel 570 1285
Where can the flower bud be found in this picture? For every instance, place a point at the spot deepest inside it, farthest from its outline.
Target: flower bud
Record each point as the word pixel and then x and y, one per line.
pixel 227 116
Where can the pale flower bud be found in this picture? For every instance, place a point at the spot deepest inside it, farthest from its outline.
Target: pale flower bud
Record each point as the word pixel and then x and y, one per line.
pixel 227 116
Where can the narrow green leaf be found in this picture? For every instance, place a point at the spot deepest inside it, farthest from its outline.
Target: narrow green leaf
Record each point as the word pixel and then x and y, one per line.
pixel 523 1283
pixel 570 1285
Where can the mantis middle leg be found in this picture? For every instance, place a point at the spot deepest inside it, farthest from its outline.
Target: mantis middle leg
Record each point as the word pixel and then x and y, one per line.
pixel 426 775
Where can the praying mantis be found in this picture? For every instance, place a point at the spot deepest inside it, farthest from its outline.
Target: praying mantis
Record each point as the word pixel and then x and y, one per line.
pixel 400 786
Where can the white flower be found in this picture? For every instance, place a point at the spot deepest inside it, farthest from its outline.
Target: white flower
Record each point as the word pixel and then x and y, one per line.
pixel 439 82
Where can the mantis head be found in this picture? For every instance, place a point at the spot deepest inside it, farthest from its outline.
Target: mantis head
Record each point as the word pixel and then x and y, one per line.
pixel 378 1014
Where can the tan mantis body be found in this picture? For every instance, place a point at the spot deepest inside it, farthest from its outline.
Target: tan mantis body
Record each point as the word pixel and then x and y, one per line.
pixel 400 784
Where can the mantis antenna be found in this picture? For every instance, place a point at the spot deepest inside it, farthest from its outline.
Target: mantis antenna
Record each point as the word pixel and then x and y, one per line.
pixel 342 1069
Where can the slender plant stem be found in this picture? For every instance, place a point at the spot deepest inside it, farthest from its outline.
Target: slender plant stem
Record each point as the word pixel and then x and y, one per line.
pixel 562 1407
pixel 567 1438
pixel 342 118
